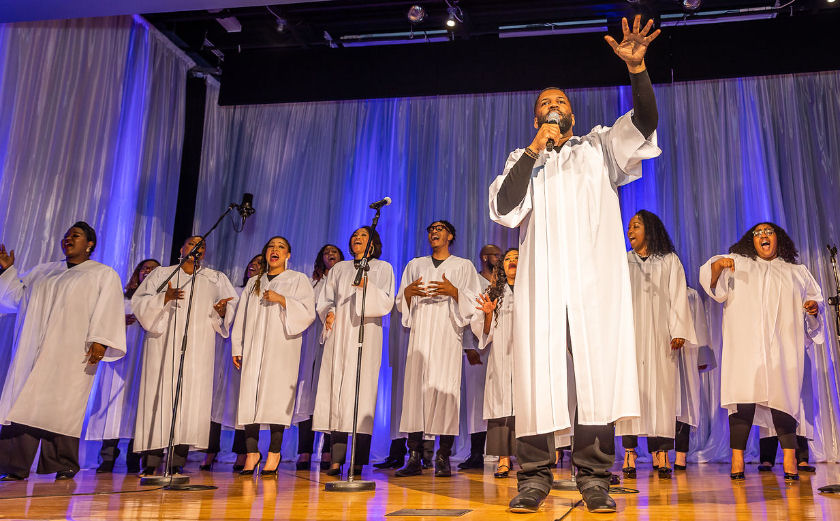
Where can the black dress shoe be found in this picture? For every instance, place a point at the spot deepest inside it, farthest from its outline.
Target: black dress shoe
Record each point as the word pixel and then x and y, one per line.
pixel 614 479
pixel 427 463
pixel 106 467
pixel 357 470
pixel 413 467
pixel 527 501
pixel 390 463
pixel 206 468
pixel 598 500
pixel 442 467
pixel 132 469
pixel 325 466
pixel 807 468
pixel 147 472
pixel 64 474
pixel 303 465
pixel 737 476
pixel 765 468
pixel 176 470
pixel 334 472
pixel 11 477
pixel 475 461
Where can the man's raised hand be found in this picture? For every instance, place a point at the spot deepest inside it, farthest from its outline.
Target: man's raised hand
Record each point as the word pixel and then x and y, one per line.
pixel 634 45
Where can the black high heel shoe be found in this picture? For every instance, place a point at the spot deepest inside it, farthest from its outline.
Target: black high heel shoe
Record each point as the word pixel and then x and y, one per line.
pixel 628 471
pixel 250 472
pixel 737 476
pixel 209 466
pixel 791 477
pixel 664 472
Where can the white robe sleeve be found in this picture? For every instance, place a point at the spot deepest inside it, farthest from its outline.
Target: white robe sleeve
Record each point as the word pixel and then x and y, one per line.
pixel 327 303
pixel 515 217
pixel 224 289
pixel 469 287
pixel 813 324
pixel 148 306
pixel 380 293
pixel 625 148
pixel 680 323
pixel 299 312
pixel 402 305
pixel 237 331
pixel 107 322
pixel 721 291
pixel 12 289
pixel 701 328
pixel 705 356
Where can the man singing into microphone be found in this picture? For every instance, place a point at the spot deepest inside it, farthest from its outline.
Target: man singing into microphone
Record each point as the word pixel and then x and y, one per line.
pixel 576 287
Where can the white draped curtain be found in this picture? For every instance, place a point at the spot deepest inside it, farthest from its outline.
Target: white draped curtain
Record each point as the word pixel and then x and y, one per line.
pixel 735 152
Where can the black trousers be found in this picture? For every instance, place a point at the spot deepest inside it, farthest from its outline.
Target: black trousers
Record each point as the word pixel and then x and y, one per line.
pixel 252 437
pixel 306 439
pixel 214 444
pixel 593 453
pixel 477 442
pixel 654 443
pixel 19 446
pixel 108 453
pixel 767 449
pixel 682 439
pixel 338 449
pixel 417 443
pixel 155 457
pixel 741 422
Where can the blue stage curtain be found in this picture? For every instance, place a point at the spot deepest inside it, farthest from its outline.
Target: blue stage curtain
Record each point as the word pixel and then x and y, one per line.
pixel 735 152
pixel 91 128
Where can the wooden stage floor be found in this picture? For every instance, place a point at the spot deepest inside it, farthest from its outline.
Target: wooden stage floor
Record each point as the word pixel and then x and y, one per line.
pixel 702 492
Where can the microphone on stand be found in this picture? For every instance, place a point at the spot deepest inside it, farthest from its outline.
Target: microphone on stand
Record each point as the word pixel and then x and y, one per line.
pixel 246 208
pixel 553 118
pixel 379 204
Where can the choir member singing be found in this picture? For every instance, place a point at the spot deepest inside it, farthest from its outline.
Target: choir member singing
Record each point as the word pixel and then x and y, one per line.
pixel 663 323
pixel 114 409
pixel 339 306
pixel 163 315
pixel 310 367
pixel 771 307
pixel 226 392
pixel 275 309
pixel 475 372
pixel 497 333
pixel 435 300
pixel 575 280
pixel 69 318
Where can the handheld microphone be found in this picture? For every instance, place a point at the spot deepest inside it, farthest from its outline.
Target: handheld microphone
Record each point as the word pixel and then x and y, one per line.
pixel 554 119
pixel 379 204
pixel 246 207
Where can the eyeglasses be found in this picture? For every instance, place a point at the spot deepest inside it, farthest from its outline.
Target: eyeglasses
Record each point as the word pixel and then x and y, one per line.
pixel 766 232
pixel 436 228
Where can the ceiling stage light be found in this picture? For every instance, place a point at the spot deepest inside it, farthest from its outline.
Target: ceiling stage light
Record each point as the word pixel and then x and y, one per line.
pixel 692 5
pixel 416 14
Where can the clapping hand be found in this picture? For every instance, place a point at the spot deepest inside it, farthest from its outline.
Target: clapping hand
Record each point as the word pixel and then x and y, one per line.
pixel 812 308
pixel 6 259
pixel 634 45
pixel 443 288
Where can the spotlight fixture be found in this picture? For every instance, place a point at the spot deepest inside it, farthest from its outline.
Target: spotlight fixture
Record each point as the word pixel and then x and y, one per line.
pixel 281 25
pixel 456 15
pixel 416 14
pixel 691 5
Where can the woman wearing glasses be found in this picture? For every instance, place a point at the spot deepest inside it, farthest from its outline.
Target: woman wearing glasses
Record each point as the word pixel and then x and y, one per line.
pixel 771 303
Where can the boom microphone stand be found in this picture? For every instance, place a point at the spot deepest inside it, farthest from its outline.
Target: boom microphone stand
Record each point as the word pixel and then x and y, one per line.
pixel 352 485
pixel 835 303
pixel 168 481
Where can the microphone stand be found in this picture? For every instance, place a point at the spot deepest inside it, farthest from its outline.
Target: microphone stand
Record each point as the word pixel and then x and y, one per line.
pixel 835 303
pixel 168 481
pixel 352 485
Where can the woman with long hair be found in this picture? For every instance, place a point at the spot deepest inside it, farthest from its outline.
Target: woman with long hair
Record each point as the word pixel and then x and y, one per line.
pixel 771 305
pixel 497 329
pixel 310 367
pixel 114 409
pixel 275 309
pixel 663 324
pixel 339 307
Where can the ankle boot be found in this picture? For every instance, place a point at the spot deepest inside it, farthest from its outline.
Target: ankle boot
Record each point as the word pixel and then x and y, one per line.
pixel 413 467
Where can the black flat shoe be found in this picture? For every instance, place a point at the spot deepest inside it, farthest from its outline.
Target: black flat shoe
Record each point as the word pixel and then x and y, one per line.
pixel 502 473
pixel 664 472
pixel 791 477
pixel 106 467
pixel 176 470
pixel 303 465
pixel 806 468
pixel 475 461
pixel 527 501
pixel 765 468
pixel 615 480
pixel 598 500
pixel 206 468
pixel 11 477
pixel 737 476
pixel 147 472
pixel 334 472
pixel 68 474
pixel 679 467
pixel 325 466
pixel 390 463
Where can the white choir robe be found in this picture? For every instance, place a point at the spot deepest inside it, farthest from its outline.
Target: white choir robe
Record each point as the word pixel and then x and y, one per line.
pixel 164 324
pixel 60 313
pixel 688 392
pixel 660 313
pixel 311 354
pixel 571 261
pixel 498 387
pixel 765 330
pixel 804 428
pixel 432 387
pixel 113 411
pixel 337 382
pixel 474 376
pixel 268 338
pixel 225 380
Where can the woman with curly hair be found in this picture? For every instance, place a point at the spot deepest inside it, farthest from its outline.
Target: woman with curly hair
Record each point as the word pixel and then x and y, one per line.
pixel 663 324
pixel 310 367
pixel 497 328
pixel 770 304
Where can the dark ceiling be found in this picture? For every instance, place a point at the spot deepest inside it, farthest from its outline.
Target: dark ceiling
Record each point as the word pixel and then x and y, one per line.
pixel 292 33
